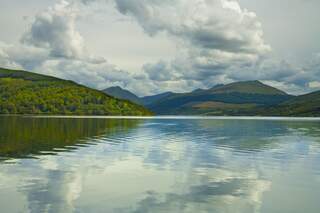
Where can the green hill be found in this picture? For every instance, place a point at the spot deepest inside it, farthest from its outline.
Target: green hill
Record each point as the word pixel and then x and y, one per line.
pixel 23 92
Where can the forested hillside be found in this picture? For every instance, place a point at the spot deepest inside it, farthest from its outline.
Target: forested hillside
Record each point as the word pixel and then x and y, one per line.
pixel 22 92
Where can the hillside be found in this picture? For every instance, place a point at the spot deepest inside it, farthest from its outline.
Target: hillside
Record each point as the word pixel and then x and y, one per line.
pixel 304 105
pixel 238 98
pixel 120 93
pixel 23 92
pixel 147 100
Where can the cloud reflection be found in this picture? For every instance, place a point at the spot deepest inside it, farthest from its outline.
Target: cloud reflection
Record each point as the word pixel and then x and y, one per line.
pixel 194 166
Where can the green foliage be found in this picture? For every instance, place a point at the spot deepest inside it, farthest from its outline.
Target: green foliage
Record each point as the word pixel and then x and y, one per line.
pixel 22 92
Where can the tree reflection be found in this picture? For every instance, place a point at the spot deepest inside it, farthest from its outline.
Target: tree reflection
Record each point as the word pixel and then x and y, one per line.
pixel 25 136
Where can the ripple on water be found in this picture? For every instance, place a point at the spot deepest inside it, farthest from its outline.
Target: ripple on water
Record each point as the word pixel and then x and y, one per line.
pixel 196 165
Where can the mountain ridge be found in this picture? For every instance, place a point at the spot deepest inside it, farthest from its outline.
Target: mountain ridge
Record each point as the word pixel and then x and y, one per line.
pixel 23 92
pixel 252 98
pixel 118 92
pixel 123 94
pixel 244 92
pixel 251 87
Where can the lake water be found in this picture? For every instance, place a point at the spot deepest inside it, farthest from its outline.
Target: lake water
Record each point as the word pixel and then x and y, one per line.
pixel 159 165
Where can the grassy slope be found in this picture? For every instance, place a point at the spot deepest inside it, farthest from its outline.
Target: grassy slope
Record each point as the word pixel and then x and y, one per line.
pixel 22 92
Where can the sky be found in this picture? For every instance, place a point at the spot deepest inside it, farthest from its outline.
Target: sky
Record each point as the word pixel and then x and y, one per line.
pixel 154 46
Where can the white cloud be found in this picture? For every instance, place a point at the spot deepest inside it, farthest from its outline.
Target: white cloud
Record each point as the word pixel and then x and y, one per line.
pixel 217 41
pixel 5 60
pixel 53 46
pixel 210 24
pixel 214 36
pixel 314 84
pixel 55 29
pixel 99 76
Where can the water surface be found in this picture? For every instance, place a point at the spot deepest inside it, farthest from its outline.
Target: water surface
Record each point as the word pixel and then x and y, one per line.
pixel 159 165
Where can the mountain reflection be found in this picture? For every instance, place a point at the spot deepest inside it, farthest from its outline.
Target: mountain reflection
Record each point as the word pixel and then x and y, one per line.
pixel 160 165
pixel 25 136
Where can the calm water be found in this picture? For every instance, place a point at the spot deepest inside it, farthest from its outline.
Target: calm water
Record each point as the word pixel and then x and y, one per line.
pixel 159 165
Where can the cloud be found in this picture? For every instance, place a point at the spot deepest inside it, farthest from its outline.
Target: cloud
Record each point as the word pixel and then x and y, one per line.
pixel 27 57
pixel 209 24
pixel 214 37
pixel 314 84
pixel 217 41
pixel 158 71
pixel 54 29
pixel 5 60
pixel 99 76
pixel 53 46
pixel 95 75
pixel 229 195
pixel 206 24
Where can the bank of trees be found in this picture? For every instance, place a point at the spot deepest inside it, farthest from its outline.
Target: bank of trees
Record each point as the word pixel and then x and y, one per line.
pixel 52 96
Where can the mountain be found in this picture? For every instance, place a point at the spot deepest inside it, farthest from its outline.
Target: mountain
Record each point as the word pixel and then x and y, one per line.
pixel 124 94
pixel 147 100
pixel 238 98
pixel 304 105
pixel 23 92
pixel 252 98
pixel 246 87
pixel 120 93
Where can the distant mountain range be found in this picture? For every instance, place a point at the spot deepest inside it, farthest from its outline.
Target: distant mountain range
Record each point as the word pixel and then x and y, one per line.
pixel 23 92
pixel 123 94
pixel 235 99
pixel 120 93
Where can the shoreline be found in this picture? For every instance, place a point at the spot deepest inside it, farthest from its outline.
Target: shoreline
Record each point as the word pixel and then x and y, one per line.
pixel 173 117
